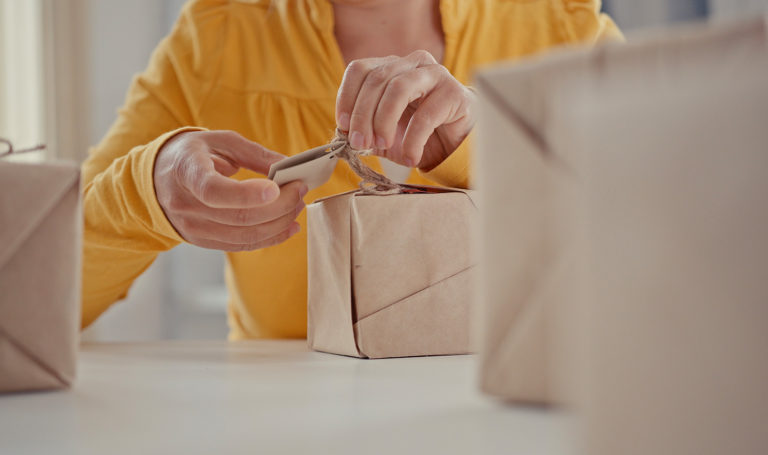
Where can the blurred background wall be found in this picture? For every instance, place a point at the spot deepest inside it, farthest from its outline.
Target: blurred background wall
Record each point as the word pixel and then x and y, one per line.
pixel 182 295
pixel 90 50
pixel 637 14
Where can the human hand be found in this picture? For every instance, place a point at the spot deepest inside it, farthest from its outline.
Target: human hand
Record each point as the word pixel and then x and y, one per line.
pixel 211 210
pixel 410 109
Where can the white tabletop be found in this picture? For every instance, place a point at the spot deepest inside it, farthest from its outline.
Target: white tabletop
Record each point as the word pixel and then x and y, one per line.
pixel 270 397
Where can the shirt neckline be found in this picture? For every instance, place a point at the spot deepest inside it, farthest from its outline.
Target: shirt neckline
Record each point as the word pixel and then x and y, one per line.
pixel 323 15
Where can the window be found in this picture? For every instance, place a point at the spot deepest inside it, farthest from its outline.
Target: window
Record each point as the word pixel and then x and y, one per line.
pixel 44 76
pixel 22 118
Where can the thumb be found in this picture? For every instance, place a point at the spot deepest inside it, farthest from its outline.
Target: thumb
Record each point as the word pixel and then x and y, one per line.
pixel 244 153
pixel 213 189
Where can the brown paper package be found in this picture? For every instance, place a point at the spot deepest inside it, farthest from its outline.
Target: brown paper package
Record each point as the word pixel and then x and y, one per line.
pixel 675 327
pixel 40 251
pixel 535 276
pixel 391 276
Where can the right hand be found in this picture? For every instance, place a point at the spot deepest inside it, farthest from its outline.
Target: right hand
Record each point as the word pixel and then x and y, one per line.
pixel 211 210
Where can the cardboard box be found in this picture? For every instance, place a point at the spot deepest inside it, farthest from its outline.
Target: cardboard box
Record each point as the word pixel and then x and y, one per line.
pixel 40 269
pixel 391 276
pixel 534 273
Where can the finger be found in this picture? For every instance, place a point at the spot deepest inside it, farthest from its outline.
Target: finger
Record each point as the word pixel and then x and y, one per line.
pixel 361 131
pixel 281 237
pixel 353 79
pixel 232 247
pixel 198 175
pixel 204 232
pixel 431 113
pixel 401 91
pixel 290 201
pixel 245 153
pixel 206 229
pixel 224 166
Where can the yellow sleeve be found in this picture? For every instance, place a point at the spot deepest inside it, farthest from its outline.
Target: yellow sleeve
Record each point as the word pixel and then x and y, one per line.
pixel 562 22
pixel 125 227
pixel 583 23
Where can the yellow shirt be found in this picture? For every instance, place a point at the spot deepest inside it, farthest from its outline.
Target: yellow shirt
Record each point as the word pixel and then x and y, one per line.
pixel 270 71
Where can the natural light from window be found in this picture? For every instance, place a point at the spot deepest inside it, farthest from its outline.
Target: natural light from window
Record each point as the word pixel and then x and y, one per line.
pixel 22 115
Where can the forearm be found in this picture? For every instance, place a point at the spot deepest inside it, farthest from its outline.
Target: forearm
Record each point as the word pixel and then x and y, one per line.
pixel 125 228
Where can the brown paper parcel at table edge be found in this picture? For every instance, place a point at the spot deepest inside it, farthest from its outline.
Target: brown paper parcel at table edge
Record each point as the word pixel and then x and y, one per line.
pixel 40 269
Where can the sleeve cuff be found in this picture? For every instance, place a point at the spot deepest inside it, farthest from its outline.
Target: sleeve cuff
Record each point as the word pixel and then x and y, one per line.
pixel 145 170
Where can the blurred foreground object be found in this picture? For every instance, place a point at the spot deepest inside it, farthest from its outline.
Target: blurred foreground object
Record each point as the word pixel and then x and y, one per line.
pixel 391 275
pixel 676 188
pixel 624 258
pixel 40 250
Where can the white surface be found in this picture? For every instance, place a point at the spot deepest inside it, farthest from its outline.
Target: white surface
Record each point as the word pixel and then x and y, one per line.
pixel 270 397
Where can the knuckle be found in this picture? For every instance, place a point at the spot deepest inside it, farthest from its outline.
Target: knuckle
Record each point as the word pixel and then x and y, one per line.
pixel 385 118
pixel 437 73
pixel 440 69
pixel 382 124
pixel 242 217
pixel 358 119
pixel 377 76
pixel 399 84
pixel 457 91
pixel 254 235
pixel 468 110
pixel 280 238
pixel 357 67
pixel 422 119
pixel 465 110
pixel 423 55
pixel 243 247
pixel 262 154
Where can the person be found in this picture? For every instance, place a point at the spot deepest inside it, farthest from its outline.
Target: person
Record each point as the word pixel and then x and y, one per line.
pixel 237 85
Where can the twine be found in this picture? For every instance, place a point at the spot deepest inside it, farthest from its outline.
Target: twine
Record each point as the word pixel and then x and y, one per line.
pixel 373 182
pixel 9 150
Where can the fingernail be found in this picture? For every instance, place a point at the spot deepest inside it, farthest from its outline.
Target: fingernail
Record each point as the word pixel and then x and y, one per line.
pixel 344 121
pixel 294 229
pixel 299 209
pixel 303 191
pixel 271 193
pixel 356 140
pixel 381 144
pixel 409 162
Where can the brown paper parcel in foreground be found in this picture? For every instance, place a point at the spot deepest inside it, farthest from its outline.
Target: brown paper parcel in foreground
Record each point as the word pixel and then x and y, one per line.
pixel 532 268
pixel 675 320
pixel 40 251
pixel 391 276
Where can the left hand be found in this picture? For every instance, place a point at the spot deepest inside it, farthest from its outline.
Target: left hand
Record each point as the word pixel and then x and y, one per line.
pixel 410 109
